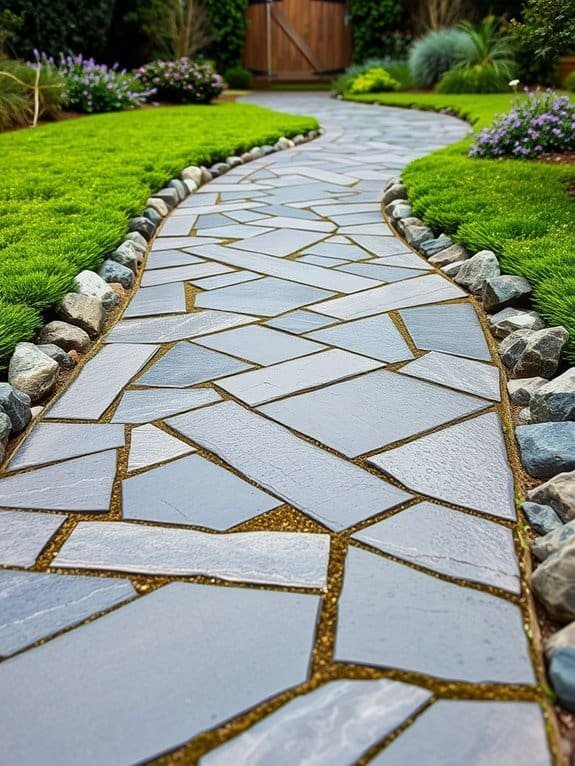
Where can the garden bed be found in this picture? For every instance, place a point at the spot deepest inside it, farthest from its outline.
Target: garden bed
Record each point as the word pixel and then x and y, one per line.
pixel 69 189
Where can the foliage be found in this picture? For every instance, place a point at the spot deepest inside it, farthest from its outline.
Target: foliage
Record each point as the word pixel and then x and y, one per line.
pixel 397 69
pixel 472 79
pixel 183 81
pixel 19 82
pixel 9 25
pixel 60 25
pixel 376 28
pixel 437 14
pixel 93 88
pixel 570 82
pixel 436 53
pixel 538 124
pixel 490 48
pixel 189 28
pixel 63 211
pixel 230 26
pixel 548 28
pixel 375 80
pixel 238 78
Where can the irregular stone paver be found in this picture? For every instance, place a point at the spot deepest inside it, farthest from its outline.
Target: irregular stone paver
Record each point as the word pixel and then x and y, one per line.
pixel 478 638
pixel 175 641
pixel 272 558
pixel 465 464
pixel 472 733
pixel 182 492
pixel 449 542
pixel 333 725
pixel 23 536
pixel 417 583
pixel 371 411
pixel 37 605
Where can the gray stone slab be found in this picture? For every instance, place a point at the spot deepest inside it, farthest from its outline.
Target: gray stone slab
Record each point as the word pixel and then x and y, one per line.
pixel 449 542
pixel 371 411
pixel 184 492
pixel 263 385
pixel 382 273
pixel 162 299
pixel 167 329
pixel 465 464
pixel 299 322
pixel 320 260
pixel 380 246
pixel 289 559
pixel 338 251
pixel 283 242
pixel 454 632
pixel 293 222
pixel 265 297
pixel 100 381
pixel 51 442
pixel 199 678
pixel 150 445
pixel 238 231
pixel 333 491
pixel 37 605
pixel 146 406
pixel 474 733
pixel 404 260
pixel 353 219
pixel 369 229
pixel 224 280
pixel 169 243
pixel 187 364
pixel 346 208
pixel 454 329
pixel 376 337
pixel 339 179
pixel 271 210
pixel 244 216
pixel 210 221
pixel 23 536
pixel 82 484
pixel 260 345
pixel 166 258
pixel 421 290
pixel 331 726
pixel 456 372
pixel 182 273
pixel 293 271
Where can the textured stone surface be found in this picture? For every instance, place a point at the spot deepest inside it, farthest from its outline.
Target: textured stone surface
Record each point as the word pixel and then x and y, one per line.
pixel 23 536
pixel 261 345
pixel 547 448
pixel 563 638
pixel 162 299
pixel 464 464
pixel 542 518
pixel 273 558
pixel 562 677
pixel 167 329
pixel 101 380
pixel 555 400
pixel 187 364
pixel 505 290
pixel 67 336
pixel 300 322
pixel 32 371
pixel 16 405
pixel 448 542
pixel 112 271
pixel 479 638
pixel 376 337
pixel 533 353
pixel 334 724
pixel 543 547
pixel 553 581
pixel 91 284
pixel 58 354
pixel 452 254
pixel 146 406
pixel 36 605
pixel 559 493
pixel 336 493
pixel 150 445
pixel 511 319
pixel 521 390
pixel 476 270
pixel 200 679
pixel 463 374
pixel 452 329
pixel 182 492
pixel 474 733
pixel 182 273
pixel 83 311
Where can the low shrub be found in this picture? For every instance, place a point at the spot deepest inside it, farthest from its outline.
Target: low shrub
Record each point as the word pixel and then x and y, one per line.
pixel 538 124
pixel 396 68
pixel 436 53
pixel 17 88
pixel 570 82
pixel 475 79
pixel 376 80
pixel 183 81
pixel 238 78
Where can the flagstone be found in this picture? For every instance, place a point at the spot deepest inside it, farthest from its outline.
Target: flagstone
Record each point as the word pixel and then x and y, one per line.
pixel 376 337
pixel 288 222
pixel 454 329
pixel 321 485
pixel 182 273
pixel 288 559
pixel 299 322
pixel 141 406
pixel 456 372
pixel 260 345
pixel 382 245
pixel 162 259
pixel 320 260
pixel 187 364
pixel 224 280
pixel 199 678
pixel 167 329
pixel 337 251
pixel 163 299
pixel 163 244
pixel 150 445
pixel 210 221
pixel 238 231
pixel 404 261
pixel 282 242
pixel 383 273
pixel 37 605
pixel 24 535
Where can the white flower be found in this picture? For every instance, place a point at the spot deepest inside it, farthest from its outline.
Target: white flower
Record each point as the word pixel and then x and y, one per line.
pixel 514 83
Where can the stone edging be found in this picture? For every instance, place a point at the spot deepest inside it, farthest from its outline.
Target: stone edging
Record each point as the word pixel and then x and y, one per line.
pixel 35 369
pixel 540 381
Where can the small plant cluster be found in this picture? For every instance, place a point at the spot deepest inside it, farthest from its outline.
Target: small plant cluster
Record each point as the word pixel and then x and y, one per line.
pixel 183 81
pixel 92 87
pixel 541 123
pixel 376 80
pixel 28 92
pixel 396 69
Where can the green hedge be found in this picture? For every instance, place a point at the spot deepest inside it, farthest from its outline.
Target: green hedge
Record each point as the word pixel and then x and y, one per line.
pixel 373 23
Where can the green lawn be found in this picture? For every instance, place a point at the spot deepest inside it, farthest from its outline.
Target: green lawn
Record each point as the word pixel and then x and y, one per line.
pixel 520 209
pixel 68 189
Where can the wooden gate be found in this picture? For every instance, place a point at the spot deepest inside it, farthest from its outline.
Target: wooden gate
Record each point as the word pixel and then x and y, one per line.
pixel 298 40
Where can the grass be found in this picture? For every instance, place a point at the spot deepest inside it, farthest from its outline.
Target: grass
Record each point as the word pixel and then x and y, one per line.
pixel 69 188
pixel 521 209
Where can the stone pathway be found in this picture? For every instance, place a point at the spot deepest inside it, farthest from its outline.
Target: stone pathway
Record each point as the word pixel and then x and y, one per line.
pixel 282 488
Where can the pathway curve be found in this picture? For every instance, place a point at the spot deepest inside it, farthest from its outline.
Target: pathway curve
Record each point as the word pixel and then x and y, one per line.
pixel 282 487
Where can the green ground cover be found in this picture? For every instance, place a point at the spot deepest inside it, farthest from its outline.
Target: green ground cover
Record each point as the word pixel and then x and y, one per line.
pixel 521 209
pixel 67 191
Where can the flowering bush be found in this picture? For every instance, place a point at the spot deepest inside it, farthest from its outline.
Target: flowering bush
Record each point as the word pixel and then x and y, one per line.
pixel 92 87
pixel 376 80
pixel 538 124
pixel 183 81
